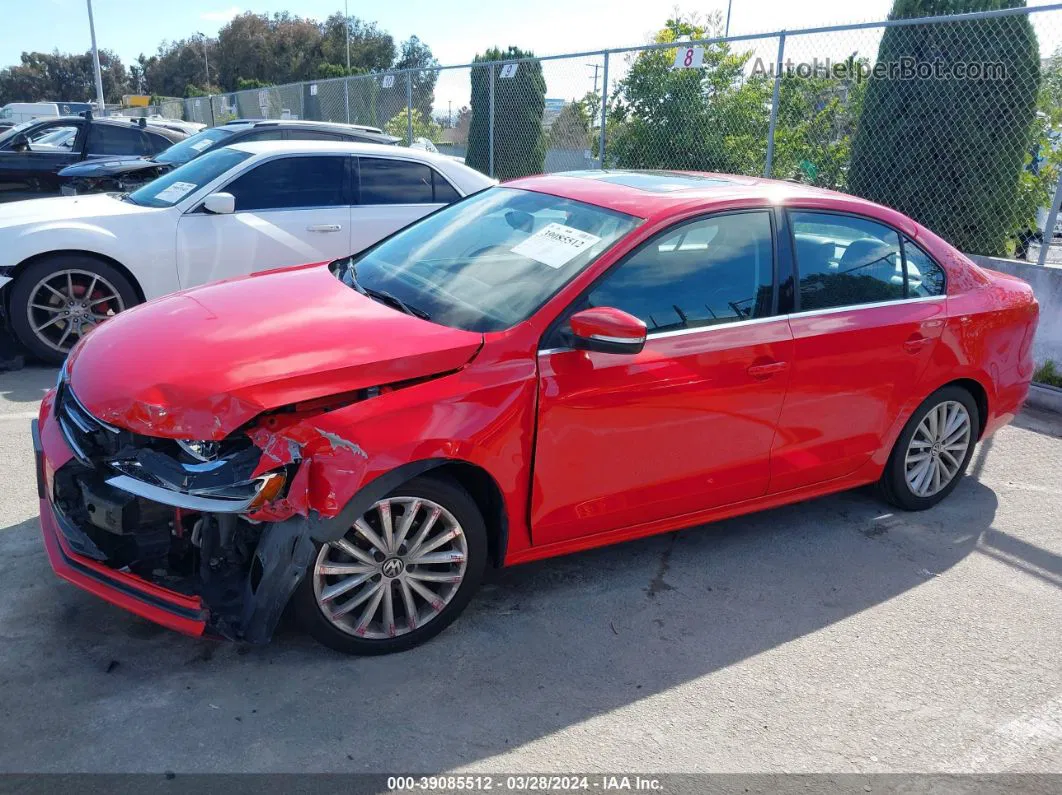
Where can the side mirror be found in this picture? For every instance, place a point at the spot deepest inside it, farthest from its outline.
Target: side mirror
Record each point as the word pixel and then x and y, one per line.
pixel 220 203
pixel 20 143
pixel 607 330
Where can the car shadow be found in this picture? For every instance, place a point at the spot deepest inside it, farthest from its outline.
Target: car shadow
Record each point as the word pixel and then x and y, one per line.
pixel 544 646
pixel 30 384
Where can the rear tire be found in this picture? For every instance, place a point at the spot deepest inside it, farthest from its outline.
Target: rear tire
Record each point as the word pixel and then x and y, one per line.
pixel 380 595
pixel 58 300
pixel 932 453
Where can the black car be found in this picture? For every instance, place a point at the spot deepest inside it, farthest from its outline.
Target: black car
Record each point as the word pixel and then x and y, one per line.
pixel 127 174
pixel 32 154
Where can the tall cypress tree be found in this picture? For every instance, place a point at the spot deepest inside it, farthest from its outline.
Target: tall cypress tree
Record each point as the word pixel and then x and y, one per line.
pixel 944 149
pixel 519 101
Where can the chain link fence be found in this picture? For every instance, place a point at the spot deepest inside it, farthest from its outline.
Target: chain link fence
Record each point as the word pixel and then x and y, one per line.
pixel 952 120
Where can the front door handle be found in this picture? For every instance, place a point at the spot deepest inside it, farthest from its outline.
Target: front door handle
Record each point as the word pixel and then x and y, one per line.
pixel 916 342
pixel 324 228
pixel 767 370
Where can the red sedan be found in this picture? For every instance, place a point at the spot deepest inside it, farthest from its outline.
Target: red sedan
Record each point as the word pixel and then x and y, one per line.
pixel 554 364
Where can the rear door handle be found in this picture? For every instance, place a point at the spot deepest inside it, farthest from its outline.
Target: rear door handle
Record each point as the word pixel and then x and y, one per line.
pixel 916 342
pixel 324 228
pixel 767 370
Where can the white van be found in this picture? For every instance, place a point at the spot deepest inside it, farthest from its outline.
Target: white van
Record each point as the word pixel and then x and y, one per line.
pixel 18 112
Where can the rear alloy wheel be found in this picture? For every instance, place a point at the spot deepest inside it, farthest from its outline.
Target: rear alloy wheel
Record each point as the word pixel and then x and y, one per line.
pixel 56 302
pixel 400 575
pixel 933 451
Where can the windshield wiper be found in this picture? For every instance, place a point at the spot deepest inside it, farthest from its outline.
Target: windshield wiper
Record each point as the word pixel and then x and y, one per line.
pixel 383 296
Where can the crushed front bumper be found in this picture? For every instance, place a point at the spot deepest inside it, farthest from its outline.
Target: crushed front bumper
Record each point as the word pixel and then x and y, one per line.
pixel 170 609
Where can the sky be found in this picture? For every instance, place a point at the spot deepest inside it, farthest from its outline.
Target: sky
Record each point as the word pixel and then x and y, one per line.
pixel 457 29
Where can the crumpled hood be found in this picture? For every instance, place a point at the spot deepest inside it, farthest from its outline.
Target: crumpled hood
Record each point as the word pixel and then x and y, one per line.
pixel 200 363
pixel 110 166
pixel 67 208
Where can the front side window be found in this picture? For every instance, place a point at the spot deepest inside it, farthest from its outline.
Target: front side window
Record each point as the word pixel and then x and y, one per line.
pixel 112 139
pixel 55 138
pixel 292 182
pixel 490 261
pixel 394 182
pixel 715 270
pixel 170 188
pixel 924 277
pixel 843 260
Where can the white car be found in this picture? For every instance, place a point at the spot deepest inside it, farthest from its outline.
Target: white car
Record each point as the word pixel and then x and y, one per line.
pixel 70 262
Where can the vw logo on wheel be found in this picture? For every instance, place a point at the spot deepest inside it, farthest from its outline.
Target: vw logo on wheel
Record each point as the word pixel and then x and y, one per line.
pixel 392 567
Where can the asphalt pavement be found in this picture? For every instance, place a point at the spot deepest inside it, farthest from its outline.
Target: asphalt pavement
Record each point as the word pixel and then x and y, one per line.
pixel 830 636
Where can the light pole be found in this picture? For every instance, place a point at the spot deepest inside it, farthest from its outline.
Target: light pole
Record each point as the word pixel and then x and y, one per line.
pixel 206 61
pixel 346 27
pixel 729 3
pixel 96 63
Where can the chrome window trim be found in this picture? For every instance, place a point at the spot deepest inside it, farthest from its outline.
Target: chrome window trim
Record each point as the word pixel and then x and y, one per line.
pixel 833 310
pixel 618 340
pixel 752 321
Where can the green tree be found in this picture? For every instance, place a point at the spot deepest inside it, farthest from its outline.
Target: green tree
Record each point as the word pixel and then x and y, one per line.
pixel 423 127
pixel 951 151
pixel 571 128
pixel 709 119
pixel 817 117
pixel 415 54
pixel 56 77
pixel 519 101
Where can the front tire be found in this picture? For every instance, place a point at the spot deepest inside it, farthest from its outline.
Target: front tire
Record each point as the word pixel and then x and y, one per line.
pixel 933 451
pixel 58 300
pixel 402 574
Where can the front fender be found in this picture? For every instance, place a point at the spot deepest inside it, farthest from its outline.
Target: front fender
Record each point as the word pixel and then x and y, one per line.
pixel 345 459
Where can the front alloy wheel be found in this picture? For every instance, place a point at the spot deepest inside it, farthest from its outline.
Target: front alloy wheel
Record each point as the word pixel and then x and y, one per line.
pixel 404 571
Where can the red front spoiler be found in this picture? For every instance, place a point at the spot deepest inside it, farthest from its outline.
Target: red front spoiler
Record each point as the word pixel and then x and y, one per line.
pixel 170 609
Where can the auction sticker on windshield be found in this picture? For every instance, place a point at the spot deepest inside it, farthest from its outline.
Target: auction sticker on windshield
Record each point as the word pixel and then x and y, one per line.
pixel 555 245
pixel 199 146
pixel 175 192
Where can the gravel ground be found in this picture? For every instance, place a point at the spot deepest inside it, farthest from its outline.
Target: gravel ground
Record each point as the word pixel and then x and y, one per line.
pixel 831 636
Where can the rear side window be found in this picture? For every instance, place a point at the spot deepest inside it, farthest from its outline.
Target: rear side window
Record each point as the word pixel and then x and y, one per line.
pixel 111 139
pixel 158 143
pixel 444 191
pixel 395 182
pixel 843 260
pixel 313 135
pixel 924 277
pixel 268 134
pixel 716 270
pixel 292 182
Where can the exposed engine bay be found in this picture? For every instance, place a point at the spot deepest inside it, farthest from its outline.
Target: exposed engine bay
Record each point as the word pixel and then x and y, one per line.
pixel 180 515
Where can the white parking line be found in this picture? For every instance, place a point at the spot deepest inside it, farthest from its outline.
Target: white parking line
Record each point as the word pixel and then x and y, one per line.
pixel 19 415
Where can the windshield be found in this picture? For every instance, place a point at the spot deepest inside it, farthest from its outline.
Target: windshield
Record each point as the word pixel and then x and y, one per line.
pixel 170 188
pixel 192 147
pixel 7 113
pixel 490 261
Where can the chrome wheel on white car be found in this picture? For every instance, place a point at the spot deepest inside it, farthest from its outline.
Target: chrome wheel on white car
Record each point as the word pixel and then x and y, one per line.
pixel 66 305
pixel 59 299
pixel 401 574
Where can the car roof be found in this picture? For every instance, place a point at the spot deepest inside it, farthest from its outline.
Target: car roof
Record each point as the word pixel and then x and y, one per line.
pixel 649 194
pixel 334 126
pixel 338 147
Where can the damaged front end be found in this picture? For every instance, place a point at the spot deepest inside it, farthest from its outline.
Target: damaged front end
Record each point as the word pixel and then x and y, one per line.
pixel 204 519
